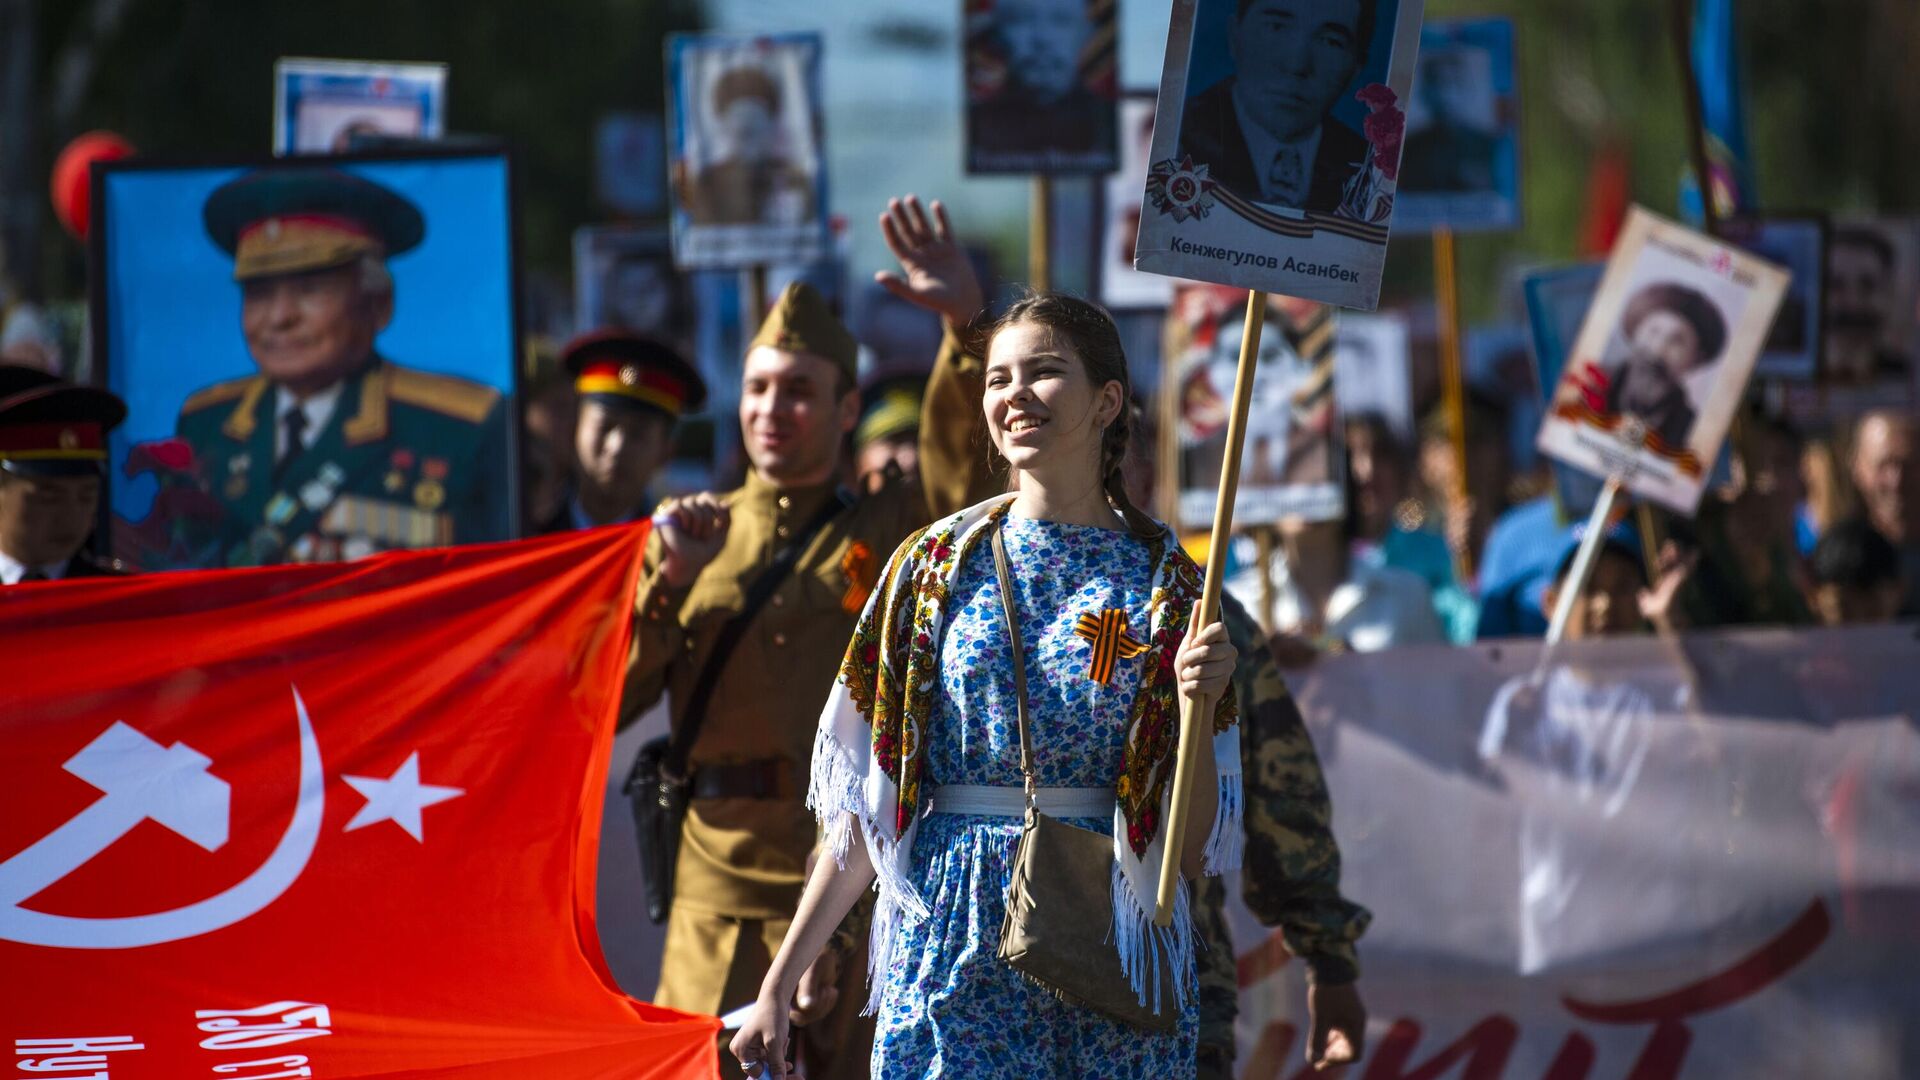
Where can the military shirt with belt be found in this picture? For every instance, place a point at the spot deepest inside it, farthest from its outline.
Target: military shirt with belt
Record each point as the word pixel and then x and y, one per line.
pixel 745 857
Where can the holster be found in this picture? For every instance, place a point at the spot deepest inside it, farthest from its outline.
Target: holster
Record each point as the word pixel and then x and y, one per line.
pixel 659 807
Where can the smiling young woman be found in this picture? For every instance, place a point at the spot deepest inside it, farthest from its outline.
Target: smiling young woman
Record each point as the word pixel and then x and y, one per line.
pixel 917 770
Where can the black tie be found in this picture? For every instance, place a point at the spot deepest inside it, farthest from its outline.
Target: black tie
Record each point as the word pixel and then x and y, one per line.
pixel 296 422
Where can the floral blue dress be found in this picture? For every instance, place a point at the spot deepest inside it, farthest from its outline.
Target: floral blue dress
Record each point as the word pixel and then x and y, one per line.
pixel 950 1007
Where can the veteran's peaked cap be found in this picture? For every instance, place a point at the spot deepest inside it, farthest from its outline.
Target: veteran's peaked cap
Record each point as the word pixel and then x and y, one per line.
pixel 281 221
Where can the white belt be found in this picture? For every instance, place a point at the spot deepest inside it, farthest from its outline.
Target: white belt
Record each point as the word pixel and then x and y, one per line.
pixel 1057 802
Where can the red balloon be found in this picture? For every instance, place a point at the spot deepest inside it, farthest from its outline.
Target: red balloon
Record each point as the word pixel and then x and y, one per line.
pixel 72 184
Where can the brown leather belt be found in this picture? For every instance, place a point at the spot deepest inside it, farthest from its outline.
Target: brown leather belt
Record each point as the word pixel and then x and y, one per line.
pixel 768 778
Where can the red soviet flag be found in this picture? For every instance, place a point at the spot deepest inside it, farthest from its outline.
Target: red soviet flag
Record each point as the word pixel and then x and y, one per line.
pixel 324 821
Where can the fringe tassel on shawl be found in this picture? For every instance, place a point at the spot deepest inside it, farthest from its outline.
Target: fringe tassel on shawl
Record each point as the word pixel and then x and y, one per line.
pixel 1143 947
pixel 1225 844
pixel 834 789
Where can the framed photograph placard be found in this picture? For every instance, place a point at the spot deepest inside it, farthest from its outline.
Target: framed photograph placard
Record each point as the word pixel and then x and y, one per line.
pixel 746 139
pixel 1461 166
pixel 322 106
pixel 1276 147
pixel 1662 360
pixel 319 355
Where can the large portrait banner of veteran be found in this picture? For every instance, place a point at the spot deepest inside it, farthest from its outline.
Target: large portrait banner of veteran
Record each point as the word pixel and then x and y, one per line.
pixel 1276 147
pixel 748 151
pixel 1042 84
pixel 1662 360
pixel 318 356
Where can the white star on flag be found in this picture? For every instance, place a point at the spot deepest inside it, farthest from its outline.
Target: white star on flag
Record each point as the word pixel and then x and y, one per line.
pixel 399 798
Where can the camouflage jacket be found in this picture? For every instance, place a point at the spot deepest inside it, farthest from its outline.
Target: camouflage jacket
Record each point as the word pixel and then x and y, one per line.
pixel 1291 871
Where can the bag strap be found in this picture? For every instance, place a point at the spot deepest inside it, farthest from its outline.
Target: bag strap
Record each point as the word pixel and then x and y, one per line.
pixel 680 746
pixel 1019 669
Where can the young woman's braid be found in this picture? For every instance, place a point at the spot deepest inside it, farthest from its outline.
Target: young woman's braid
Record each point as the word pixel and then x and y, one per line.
pixel 1091 332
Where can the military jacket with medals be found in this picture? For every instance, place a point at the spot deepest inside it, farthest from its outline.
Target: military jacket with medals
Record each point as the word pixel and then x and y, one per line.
pixel 745 857
pixel 407 459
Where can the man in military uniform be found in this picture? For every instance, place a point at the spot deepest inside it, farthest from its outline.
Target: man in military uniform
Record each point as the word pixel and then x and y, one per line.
pixel 332 451
pixel 53 454
pixel 748 834
pixel 1290 877
pixel 632 390
pixel 886 442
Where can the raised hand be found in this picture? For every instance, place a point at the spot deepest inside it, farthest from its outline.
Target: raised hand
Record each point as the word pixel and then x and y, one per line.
pixel 935 272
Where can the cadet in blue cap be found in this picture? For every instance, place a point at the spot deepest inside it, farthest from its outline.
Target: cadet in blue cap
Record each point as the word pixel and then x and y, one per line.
pixel 333 451
pixel 53 453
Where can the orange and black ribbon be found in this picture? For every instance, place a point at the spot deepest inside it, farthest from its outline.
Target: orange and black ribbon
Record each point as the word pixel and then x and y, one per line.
pixel 857 565
pixel 1111 643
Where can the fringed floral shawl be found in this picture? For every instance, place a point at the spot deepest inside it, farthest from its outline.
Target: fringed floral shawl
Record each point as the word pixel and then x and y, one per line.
pixel 868 756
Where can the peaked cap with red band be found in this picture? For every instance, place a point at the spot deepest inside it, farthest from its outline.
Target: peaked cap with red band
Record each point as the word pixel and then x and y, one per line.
pixel 618 367
pixel 288 221
pixel 50 427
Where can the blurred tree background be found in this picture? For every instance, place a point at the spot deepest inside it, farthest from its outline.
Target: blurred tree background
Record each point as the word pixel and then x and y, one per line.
pixel 1833 110
pixel 1831 102
pixel 195 77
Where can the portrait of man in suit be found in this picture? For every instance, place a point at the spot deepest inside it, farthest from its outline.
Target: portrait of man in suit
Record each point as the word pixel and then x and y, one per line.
pixel 1267 132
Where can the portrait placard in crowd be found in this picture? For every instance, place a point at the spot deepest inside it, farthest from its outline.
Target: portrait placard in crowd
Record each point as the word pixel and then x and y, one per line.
pixel 748 162
pixel 630 163
pixel 318 357
pixel 1799 244
pixel 1122 288
pixel 1662 359
pixel 1461 166
pixel 1371 372
pixel 1557 302
pixel 624 279
pixel 1042 83
pixel 1276 148
pixel 1873 278
pixel 321 106
pixel 1292 466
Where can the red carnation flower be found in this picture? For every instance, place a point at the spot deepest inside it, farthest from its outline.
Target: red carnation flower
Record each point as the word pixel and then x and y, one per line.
pixel 1376 96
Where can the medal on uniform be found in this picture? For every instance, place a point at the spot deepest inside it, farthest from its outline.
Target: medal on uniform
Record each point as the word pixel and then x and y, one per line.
pixel 314 494
pixel 397 467
pixel 281 508
pixel 237 467
pixel 1107 630
pixel 430 493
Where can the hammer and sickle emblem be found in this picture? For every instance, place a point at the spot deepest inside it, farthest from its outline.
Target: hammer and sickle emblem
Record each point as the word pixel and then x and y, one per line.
pixel 140 779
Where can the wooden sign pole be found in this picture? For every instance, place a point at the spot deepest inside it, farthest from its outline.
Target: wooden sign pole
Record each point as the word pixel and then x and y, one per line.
pixel 1453 396
pixel 757 295
pixel 1196 717
pixel 1040 235
pixel 1583 558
